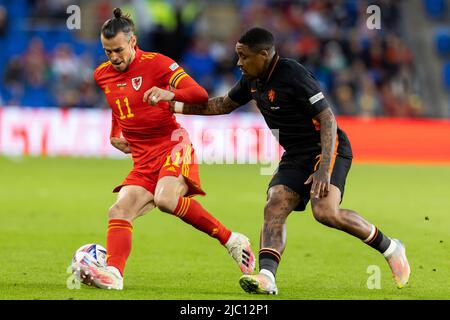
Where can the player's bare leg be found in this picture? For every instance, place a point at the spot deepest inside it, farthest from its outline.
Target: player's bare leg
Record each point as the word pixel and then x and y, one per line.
pixel 168 190
pixel 326 210
pixel 169 197
pixel 132 202
pixel 281 201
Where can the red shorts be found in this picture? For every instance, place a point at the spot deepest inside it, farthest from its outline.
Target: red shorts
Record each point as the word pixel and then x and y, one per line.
pixel 172 164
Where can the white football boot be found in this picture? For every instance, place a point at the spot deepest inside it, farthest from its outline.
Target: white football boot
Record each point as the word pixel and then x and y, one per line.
pixel 239 248
pixel 396 258
pixel 90 273
pixel 261 283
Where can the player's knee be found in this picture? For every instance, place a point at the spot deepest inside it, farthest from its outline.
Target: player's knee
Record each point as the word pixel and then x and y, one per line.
pixel 118 211
pixel 281 201
pixel 326 215
pixel 165 202
pixel 274 209
pixel 272 205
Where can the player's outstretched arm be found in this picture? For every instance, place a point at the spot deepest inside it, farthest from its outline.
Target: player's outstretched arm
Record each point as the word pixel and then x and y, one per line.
pixel 215 106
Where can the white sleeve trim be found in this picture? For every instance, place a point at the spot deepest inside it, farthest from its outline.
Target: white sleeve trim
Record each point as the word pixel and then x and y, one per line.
pixel 173 66
pixel 316 97
pixel 178 107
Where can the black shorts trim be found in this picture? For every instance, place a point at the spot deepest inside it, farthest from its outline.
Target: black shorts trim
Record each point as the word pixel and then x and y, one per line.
pixel 294 171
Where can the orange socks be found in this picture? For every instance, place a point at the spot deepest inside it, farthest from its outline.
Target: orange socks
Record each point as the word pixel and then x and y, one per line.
pixel 118 243
pixel 190 211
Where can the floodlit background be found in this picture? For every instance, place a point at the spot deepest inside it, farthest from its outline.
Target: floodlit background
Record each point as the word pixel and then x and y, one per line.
pixel 388 86
pixel 399 70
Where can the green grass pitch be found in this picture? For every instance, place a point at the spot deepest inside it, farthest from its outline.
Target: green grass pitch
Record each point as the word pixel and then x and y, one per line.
pixel 51 206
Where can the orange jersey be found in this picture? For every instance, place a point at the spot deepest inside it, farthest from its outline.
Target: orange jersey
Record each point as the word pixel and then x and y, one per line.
pixel 148 129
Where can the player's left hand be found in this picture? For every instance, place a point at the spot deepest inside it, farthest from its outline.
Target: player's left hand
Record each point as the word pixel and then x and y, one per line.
pixel 155 95
pixel 320 183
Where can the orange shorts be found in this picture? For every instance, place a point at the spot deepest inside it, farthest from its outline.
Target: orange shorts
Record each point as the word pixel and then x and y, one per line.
pixel 173 164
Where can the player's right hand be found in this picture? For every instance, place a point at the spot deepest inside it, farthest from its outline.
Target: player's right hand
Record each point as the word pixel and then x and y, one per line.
pixel 320 183
pixel 155 95
pixel 121 144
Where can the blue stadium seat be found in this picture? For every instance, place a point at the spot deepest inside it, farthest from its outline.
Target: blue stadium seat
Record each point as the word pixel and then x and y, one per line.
pixel 79 46
pixel 446 75
pixel 17 9
pixel 63 35
pixel 39 96
pixel 97 49
pixel 16 43
pixel 434 8
pixel 442 41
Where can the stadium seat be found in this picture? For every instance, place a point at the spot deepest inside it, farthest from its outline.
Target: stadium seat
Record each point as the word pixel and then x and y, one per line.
pixel 38 96
pixel 442 41
pixel 63 36
pixel 79 46
pixel 18 44
pixel 446 75
pixel 434 8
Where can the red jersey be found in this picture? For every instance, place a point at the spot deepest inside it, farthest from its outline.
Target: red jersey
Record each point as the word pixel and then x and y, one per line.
pixel 148 129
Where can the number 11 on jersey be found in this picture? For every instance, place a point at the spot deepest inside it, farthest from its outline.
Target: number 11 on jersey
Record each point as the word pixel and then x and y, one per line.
pixel 127 104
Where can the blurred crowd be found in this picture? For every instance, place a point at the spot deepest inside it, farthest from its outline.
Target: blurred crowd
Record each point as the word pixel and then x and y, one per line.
pixel 363 72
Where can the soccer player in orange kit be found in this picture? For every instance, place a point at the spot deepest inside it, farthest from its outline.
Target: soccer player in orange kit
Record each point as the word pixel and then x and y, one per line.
pixel 138 86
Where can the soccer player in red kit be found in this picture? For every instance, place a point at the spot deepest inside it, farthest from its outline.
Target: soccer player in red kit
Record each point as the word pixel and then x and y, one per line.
pixel 138 86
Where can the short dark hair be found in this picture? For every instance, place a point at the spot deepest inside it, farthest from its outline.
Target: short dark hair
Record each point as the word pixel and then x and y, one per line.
pixel 120 23
pixel 257 39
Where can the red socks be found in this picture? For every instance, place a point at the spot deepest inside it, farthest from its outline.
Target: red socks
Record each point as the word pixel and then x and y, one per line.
pixel 118 238
pixel 191 211
pixel 118 243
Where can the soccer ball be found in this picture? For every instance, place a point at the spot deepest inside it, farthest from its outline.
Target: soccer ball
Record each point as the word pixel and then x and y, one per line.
pixel 86 255
pixel 92 252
